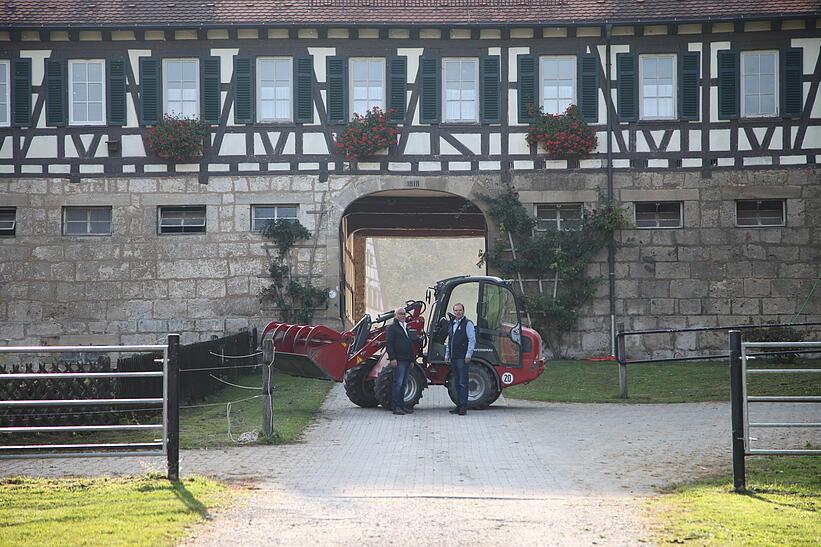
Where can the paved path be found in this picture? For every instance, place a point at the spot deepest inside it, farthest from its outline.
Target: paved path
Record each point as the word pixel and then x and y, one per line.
pixel 519 473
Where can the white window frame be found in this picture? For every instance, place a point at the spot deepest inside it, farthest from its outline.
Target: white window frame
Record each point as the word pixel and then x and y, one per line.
pixel 574 204
pixel 163 208
pixel 783 214
pixel 674 57
pixel 8 228
pixel 573 81
pixel 445 61
pixel 5 67
pixel 71 120
pixel 290 116
pixel 165 62
pixel 657 203
pixel 383 84
pixel 88 209
pixel 776 97
pixel 276 207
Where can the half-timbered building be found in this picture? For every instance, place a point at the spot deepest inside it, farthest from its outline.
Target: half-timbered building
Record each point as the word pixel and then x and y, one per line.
pixel 707 114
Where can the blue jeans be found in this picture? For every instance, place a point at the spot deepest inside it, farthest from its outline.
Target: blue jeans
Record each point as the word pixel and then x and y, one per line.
pixel 460 377
pixel 400 378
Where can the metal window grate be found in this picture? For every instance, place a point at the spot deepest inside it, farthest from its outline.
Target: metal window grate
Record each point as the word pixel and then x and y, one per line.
pixel 86 221
pixel 662 214
pixel 760 212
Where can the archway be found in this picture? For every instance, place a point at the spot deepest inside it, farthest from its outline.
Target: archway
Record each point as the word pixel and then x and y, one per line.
pixel 419 218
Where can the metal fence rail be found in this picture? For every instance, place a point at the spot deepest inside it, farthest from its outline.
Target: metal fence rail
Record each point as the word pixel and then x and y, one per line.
pixel 741 399
pixel 167 446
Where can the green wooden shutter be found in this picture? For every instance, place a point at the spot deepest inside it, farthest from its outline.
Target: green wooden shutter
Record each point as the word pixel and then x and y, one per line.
pixel 627 86
pixel 728 85
pixel 689 91
pixel 243 90
pixel 490 93
pixel 210 90
pixel 55 80
pixel 22 92
pixel 429 90
pixel 117 109
pixel 792 87
pixel 588 83
pixel 304 77
pixel 150 92
pixel 398 88
pixel 336 95
pixel 526 66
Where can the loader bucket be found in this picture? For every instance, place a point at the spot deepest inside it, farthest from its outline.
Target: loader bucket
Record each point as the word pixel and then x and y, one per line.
pixel 308 351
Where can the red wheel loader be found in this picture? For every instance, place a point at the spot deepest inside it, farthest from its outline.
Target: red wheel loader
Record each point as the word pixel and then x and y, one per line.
pixel 506 352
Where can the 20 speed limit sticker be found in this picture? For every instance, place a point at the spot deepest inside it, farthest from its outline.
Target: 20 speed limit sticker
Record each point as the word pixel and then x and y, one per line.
pixel 507 378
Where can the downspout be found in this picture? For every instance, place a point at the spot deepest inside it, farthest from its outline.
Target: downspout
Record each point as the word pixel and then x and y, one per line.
pixel 611 246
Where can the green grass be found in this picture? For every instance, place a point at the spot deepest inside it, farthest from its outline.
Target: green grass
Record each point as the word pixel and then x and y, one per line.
pixel 598 382
pixel 783 507
pixel 105 511
pixel 205 424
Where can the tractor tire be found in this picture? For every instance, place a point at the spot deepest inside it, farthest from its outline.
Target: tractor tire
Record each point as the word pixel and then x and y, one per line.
pixel 359 389
pixel 483 390
pixel 383 386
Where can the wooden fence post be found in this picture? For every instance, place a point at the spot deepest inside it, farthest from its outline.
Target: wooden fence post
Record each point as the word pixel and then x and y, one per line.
pixel 173 408
pixel 267 409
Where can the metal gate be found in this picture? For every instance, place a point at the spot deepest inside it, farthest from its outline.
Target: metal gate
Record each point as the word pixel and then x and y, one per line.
pixel 167 446
pixel 740 401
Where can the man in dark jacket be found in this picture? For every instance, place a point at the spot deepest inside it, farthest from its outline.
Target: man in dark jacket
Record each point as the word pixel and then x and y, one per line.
pixel 400 352
pixel 458 351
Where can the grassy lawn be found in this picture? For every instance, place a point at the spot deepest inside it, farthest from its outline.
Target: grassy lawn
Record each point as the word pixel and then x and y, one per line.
pixel 598 382
pixel 783 507
pixel 204 424
pixel 123 511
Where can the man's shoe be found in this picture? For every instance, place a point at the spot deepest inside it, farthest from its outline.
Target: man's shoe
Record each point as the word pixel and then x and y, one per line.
pixel 454 411
pixel 462 412
pixel 399 412
pixel 408 410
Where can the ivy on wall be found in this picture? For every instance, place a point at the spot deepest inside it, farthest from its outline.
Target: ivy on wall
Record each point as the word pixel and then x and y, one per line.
pixel 296 300
pixel 560 258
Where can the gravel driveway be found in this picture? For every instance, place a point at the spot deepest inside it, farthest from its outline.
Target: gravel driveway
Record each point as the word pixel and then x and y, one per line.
pixel 519 473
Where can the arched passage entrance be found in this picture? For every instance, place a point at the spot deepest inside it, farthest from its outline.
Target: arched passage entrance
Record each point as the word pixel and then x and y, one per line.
pixel 411 213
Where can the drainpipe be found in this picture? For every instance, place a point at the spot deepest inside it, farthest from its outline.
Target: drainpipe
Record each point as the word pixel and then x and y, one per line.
pixel 611 246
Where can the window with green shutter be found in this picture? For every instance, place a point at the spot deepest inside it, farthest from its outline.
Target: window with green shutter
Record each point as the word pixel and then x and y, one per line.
pixel 792 87
pixel 336 90
pixel 627 99
pixel 728 85
pixel 21 97
pixel 56 95
pixel 304 88
pixel 211 103
pixel 689 91
pixel 243 90
pixel 490 92
pixel 429 90
pixel 117 110
pixel 150 92
pixel 526 87
pixel 589 87
pixel 397 88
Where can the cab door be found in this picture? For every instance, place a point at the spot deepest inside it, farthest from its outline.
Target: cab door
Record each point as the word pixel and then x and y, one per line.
pixel 498 326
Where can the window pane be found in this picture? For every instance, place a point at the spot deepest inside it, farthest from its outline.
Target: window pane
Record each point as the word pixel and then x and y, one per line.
pixel 283 70
pixel 665 67
pixel 767 104
pixel 78 72
pixel 767 63
pixel 286 212
pixel 99 215
pixel 751 105
pixel 265 69
pixel 95 72
pixel 189 70
pixel 174 70
pixel 468 71
pixel 566 69
pixel 767 84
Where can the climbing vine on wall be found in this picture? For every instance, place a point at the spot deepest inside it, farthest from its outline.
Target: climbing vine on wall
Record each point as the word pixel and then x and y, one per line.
pixel 295 299
pixel 560 258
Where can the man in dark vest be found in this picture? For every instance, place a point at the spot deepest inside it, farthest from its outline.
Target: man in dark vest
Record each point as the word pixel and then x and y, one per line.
pixel 458 351
pixel 400 352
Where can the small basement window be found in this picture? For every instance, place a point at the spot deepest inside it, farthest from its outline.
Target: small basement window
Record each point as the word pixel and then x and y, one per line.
pixel 558 216
pixel 86 221
pixel 760 212
pixel 8 221
pixel 261 215
pixel 182 220
pixel 659 214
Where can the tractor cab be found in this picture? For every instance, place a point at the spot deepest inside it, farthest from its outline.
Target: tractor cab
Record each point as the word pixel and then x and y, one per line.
pixel 492 306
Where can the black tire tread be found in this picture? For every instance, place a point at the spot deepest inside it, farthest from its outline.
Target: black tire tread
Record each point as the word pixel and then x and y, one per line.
pixel 359 390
